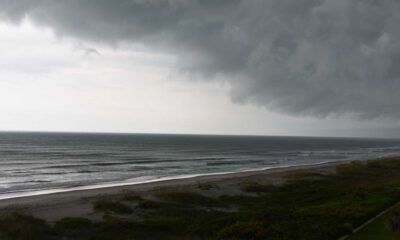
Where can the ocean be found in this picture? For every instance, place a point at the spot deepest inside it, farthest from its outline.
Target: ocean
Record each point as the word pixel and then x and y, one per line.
pixel 36 163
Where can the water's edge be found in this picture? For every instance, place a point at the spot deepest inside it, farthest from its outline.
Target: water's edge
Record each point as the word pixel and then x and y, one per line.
pixel 23 194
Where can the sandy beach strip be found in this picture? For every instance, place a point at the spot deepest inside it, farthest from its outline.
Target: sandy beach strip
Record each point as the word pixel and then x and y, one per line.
pixel 76 203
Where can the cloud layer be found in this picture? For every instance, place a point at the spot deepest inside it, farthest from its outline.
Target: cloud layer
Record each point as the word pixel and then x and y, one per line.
pixel 303 57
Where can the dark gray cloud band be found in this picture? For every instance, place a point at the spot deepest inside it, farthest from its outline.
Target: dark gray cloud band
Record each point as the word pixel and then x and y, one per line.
pixel 303 57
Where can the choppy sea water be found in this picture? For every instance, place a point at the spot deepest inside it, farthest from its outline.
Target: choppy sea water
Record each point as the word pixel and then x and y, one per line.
pixel 42 162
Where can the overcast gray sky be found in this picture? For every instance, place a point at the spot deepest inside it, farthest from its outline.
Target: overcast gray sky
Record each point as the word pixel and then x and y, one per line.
pixel 267 67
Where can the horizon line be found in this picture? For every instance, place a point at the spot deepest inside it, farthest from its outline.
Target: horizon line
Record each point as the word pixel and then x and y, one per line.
pixel 192 134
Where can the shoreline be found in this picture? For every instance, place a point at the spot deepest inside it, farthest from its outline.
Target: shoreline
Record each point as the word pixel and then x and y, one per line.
pixel 76 203
pixel 200 177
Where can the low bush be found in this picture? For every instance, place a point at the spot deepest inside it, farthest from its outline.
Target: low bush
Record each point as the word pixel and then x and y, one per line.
pixel 73 223
pixel 74 227
pixel 131 197
pixel 189 198
pixel 255 187
pixel 249 230
pixel 16 226
pixel 350 168
pixel 149 204
pixel 206 186
pixel 108 206
pixel 387 163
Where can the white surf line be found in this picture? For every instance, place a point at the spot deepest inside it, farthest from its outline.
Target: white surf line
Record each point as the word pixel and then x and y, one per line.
pixel 12 195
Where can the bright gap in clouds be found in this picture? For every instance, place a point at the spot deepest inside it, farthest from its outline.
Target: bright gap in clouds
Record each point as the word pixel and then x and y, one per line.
pixel 56 85
pixel 52 84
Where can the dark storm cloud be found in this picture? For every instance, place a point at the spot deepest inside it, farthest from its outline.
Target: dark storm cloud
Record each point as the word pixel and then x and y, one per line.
pixel 302 57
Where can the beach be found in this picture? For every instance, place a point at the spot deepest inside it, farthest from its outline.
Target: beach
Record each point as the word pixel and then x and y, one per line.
pixel 319 201
pixel 78 203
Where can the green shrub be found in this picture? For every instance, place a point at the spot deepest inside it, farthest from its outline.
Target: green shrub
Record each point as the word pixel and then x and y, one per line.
pixel 350 168
pixel 189 198
pixel 255 187
pixel 149 204
pixel 130 197
pixel 296 174
pixel 108 206
pixel 74 227
pixel 73 223
pixel 386 163
pixel 249 230
pixel 16 226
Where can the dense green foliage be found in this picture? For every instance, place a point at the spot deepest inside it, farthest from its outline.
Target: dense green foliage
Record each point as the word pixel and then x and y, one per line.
pixel 307 206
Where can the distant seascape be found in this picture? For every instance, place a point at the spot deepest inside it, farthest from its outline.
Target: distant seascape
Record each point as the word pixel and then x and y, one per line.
pixel 38 163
